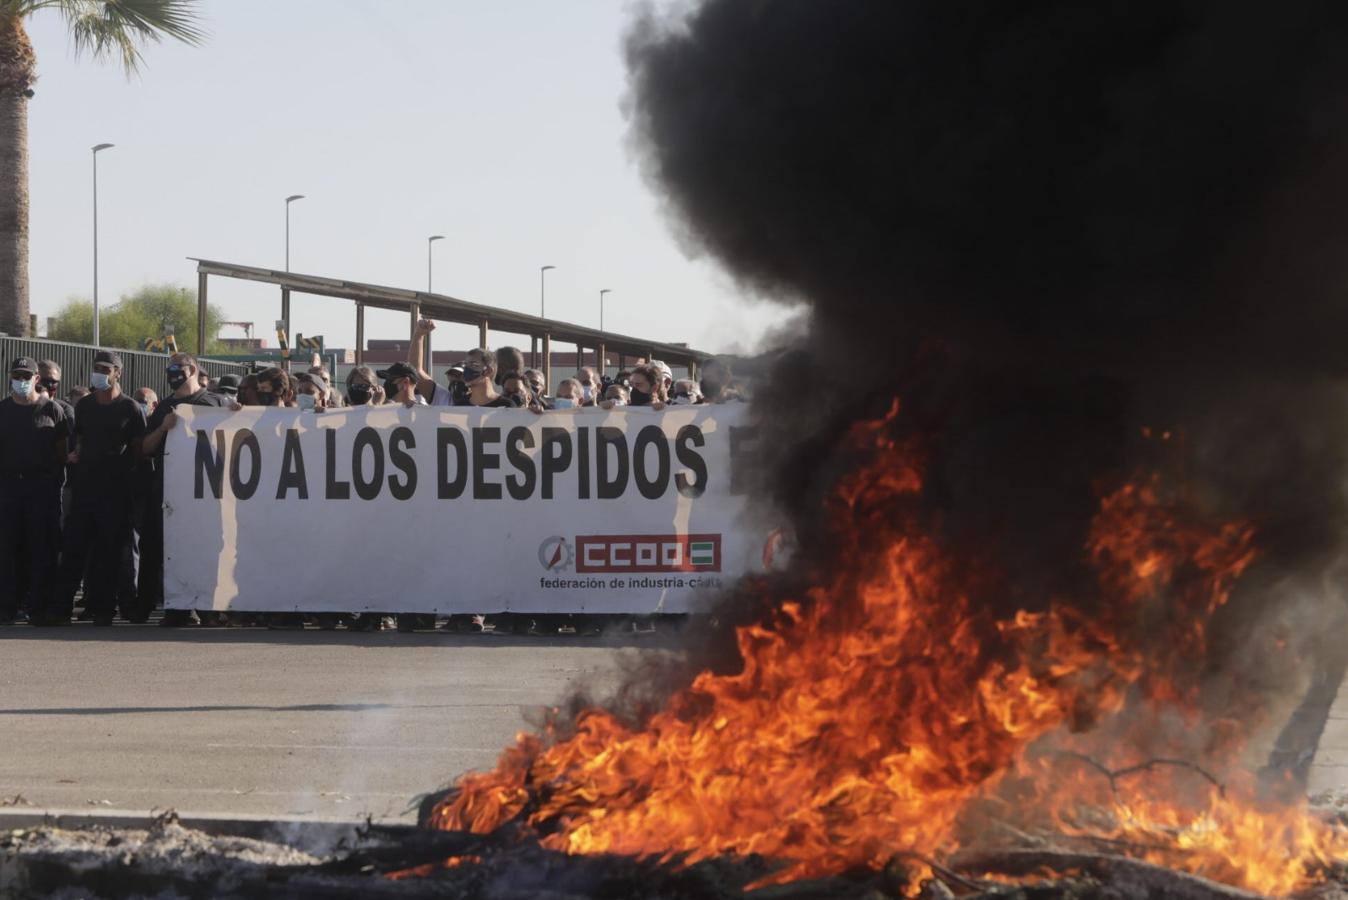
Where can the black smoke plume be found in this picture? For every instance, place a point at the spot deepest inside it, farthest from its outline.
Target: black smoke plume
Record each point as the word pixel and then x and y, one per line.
pixel 1046 225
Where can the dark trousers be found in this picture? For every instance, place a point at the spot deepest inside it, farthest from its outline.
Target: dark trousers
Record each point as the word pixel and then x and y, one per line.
pixel 30 534
pixel 97 531
pixel 150 583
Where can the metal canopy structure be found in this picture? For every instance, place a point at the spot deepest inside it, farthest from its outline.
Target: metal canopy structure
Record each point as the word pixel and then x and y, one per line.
pixel 439 307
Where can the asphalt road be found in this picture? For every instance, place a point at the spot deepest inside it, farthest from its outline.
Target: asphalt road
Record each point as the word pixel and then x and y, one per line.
pixel 271 723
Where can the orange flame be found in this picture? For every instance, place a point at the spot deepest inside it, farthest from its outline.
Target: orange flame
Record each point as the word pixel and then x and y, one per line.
pixel 868 715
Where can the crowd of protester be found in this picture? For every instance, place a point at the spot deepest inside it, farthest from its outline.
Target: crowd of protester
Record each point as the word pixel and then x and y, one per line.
pixel 82 477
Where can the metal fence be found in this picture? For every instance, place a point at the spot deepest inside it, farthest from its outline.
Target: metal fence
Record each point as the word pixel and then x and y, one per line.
pixel 139 369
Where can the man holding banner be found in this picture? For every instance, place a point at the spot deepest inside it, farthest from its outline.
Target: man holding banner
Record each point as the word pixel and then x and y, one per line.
pixel 183 373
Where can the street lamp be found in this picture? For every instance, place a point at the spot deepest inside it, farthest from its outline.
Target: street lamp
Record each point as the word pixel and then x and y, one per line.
pixel 289 200
pixel 430 242
pixel 97 147
pixel 542 285
pixel 601 307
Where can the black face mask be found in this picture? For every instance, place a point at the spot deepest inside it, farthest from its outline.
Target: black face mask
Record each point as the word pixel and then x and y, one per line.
pixel 471 373
pixel 267 399
pixel 359 394
pixel 638 398
pixel 176 378
pixel 517 399
pixel 459 391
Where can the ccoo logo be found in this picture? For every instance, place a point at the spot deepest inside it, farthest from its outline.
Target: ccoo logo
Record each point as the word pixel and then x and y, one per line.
pixel 555 554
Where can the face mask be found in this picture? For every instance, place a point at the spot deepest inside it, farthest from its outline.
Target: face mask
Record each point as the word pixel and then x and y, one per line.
pixel 144 407
pixel 359 394
pixel 471 373
pixel 22 388
pixel 563 403
pixel 307 402
pixel 617 402
pixel 517 399
pixel 680 400
pixel 640 398
pixel 100 381
pixel 587 392
pixel 176 377
pixel 267 399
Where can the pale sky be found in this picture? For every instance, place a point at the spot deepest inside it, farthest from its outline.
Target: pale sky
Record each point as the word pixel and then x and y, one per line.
pixel 497 124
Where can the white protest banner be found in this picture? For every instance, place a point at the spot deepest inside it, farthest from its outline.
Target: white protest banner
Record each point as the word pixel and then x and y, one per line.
pixel 453 510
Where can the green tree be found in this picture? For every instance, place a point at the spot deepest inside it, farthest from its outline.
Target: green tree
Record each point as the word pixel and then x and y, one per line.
pixel 150 313
pixel 102 28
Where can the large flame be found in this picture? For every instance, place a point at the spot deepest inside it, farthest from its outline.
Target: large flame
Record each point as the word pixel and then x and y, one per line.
pixel 869 713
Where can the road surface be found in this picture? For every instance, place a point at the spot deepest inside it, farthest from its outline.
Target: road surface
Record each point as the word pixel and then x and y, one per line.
pixel 269 723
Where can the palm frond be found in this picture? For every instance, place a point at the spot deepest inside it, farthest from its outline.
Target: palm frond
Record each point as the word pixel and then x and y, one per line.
pixel 120 28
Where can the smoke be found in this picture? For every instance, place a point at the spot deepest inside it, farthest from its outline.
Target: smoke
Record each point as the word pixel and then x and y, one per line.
pixel 1045 226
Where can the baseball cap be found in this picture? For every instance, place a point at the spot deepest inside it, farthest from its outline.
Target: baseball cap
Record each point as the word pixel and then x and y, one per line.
pixel 313 378
pixel 24 364
pixel 397 370
pixel 229 384
pixel 108 357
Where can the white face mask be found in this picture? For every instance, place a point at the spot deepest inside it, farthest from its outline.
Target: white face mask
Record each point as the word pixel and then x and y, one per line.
pixel 587 392
pixel 617 402
pixel 307 402
pixel 22 388
pixel 144 407
pixel 563 403
pixel 100 381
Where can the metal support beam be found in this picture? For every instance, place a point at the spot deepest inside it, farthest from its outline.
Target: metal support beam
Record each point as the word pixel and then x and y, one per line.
pixel 415 310
pixel 533 351
pixel 285 317
pixel 482 334
pixel 360 334
pixel 547 363
pixel 201 313
pixel 599 359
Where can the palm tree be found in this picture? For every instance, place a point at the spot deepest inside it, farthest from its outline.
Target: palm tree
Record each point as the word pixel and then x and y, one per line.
pixel 103 28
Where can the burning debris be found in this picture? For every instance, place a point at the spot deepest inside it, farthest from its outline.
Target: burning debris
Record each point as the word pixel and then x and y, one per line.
pixel 1094 251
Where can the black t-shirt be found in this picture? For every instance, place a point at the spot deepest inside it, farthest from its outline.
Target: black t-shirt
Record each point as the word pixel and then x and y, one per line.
pixel 498 400
pixel 28 436
pixel 202 397
pixel 105 433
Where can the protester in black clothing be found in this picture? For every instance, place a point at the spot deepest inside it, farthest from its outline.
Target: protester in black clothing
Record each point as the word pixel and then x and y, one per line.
pixel 49 384
pixel 32 449
pixel 109 427
pixel 182 373
pixel 228 386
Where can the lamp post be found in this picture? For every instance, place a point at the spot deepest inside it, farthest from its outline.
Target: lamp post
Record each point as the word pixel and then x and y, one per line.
pixel 430 242
pixel 601 307
pixel 289 200
pixel 542 287
pixel 96 148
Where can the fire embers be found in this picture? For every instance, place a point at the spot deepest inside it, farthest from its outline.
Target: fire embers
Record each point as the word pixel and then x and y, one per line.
pixel 871 715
